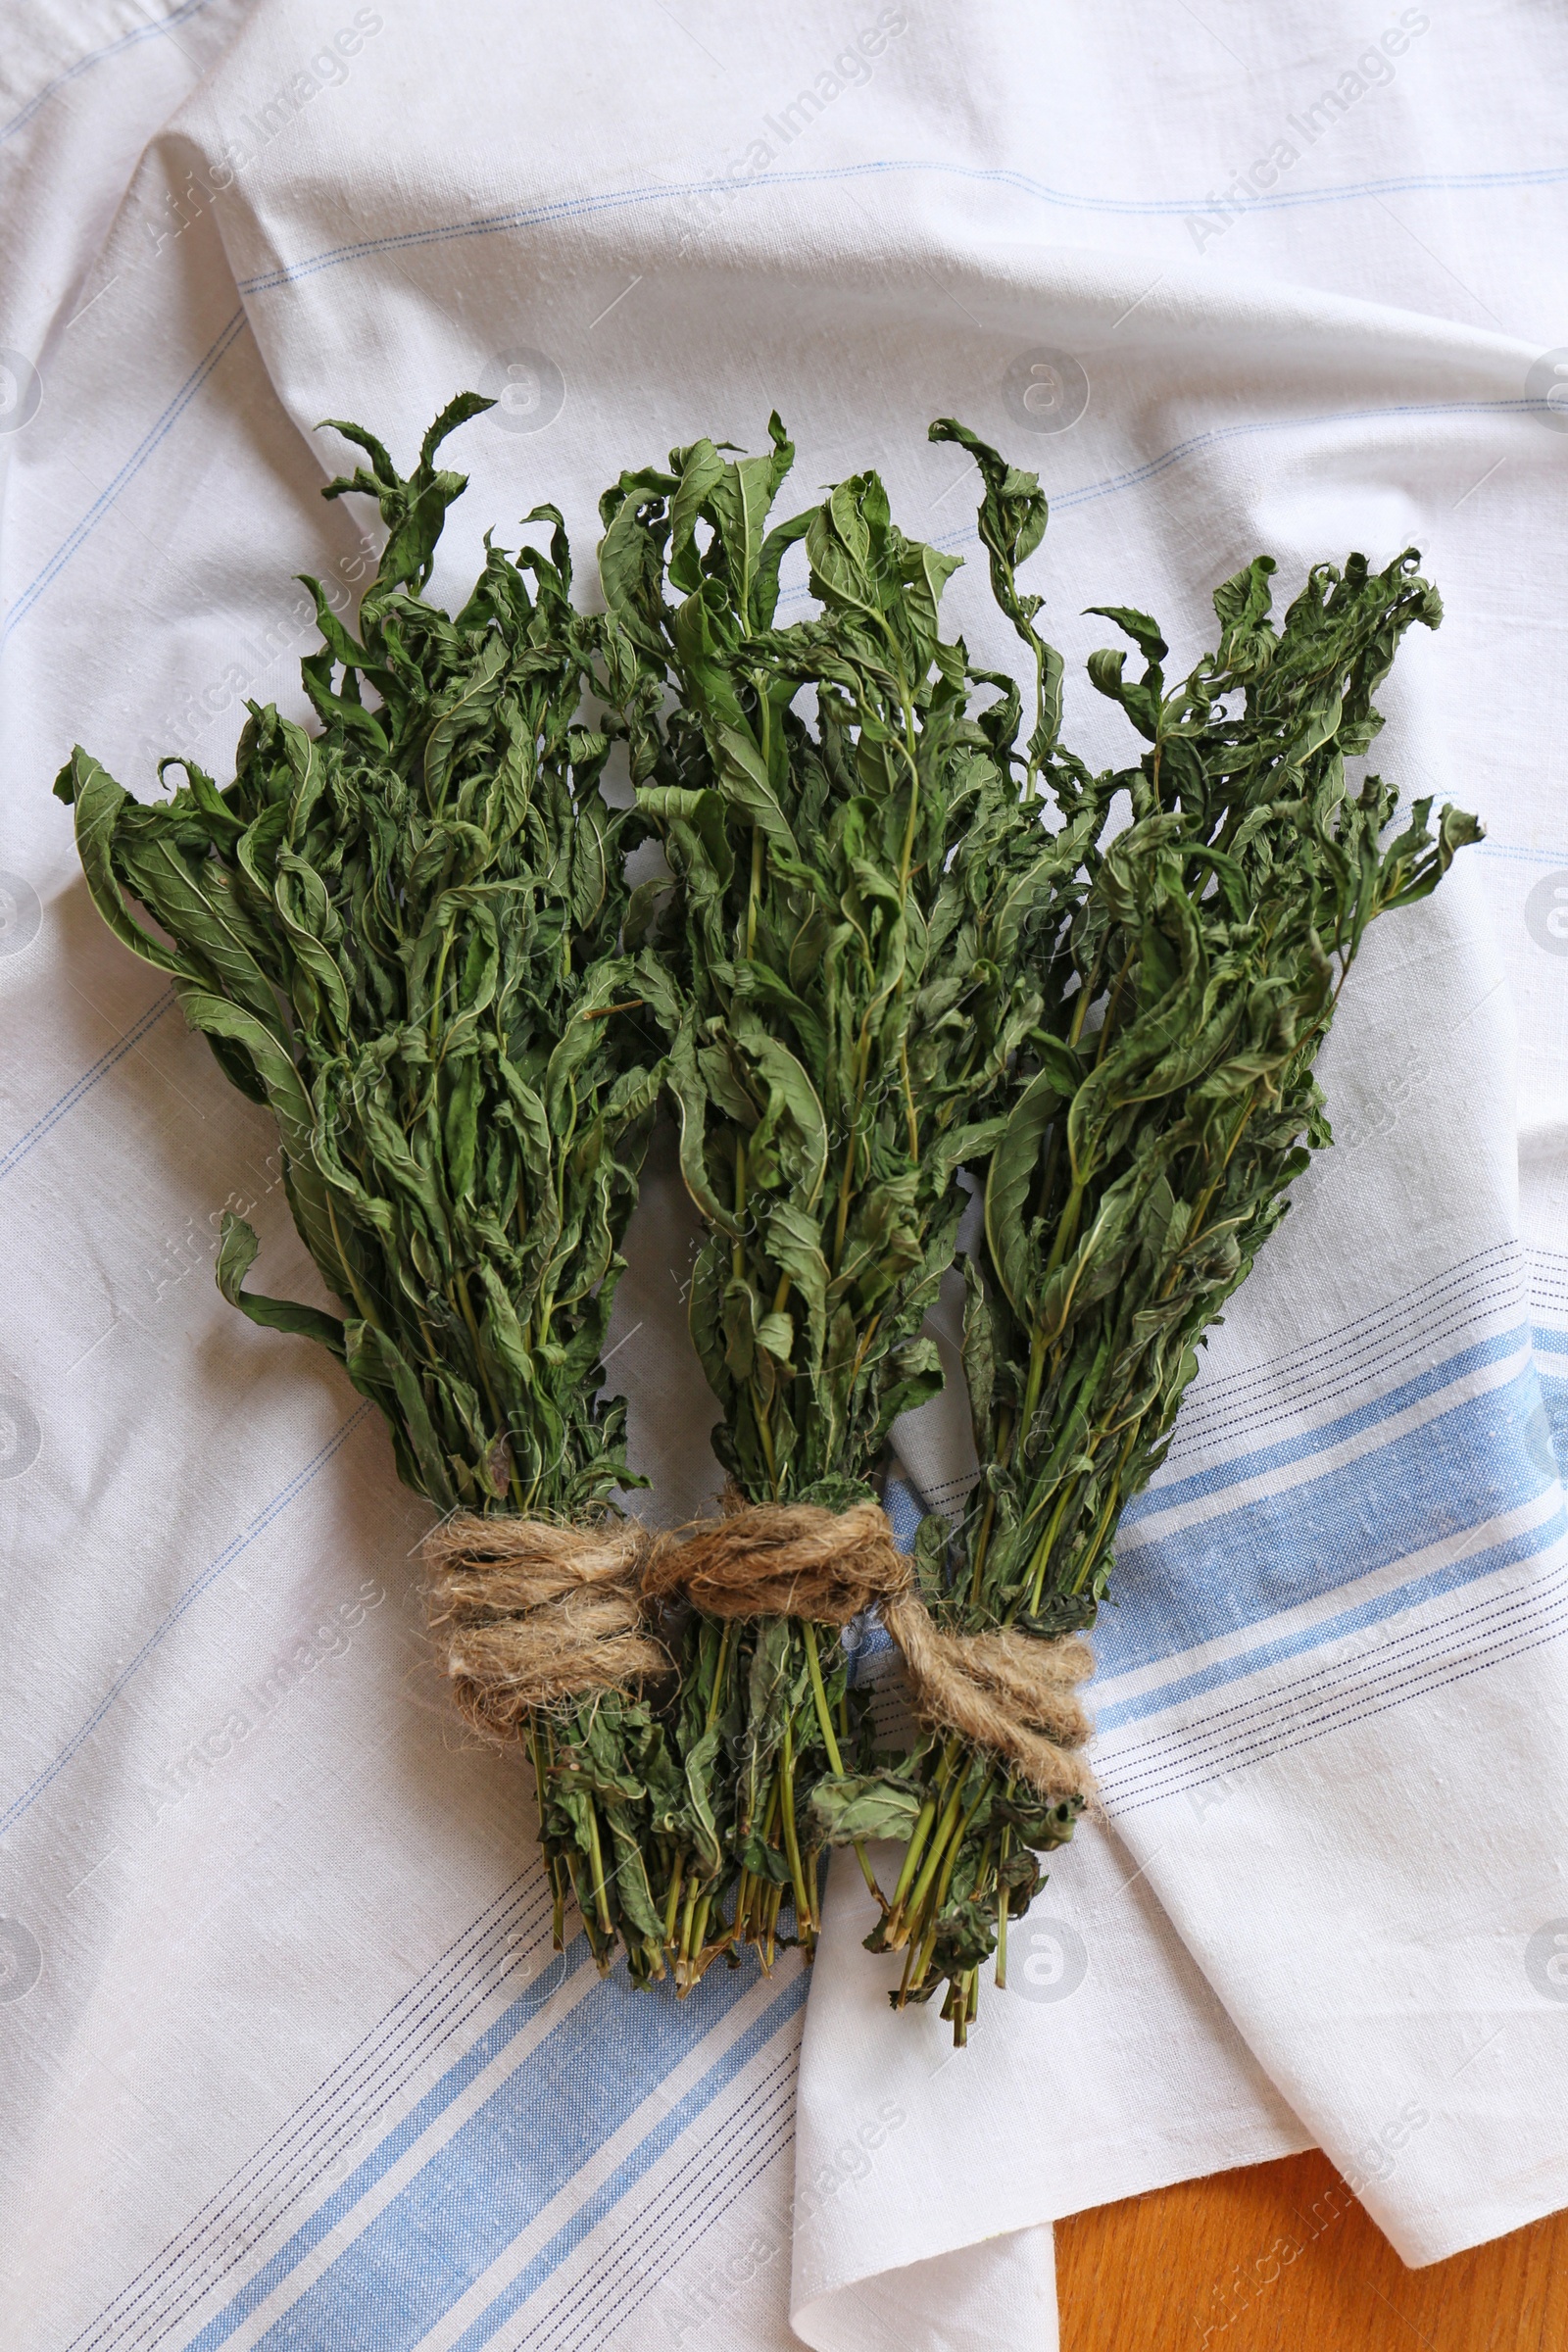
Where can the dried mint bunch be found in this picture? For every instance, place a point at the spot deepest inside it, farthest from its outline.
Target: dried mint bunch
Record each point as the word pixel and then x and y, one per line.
pixel 1160 1110
pixel 402 932
pixel 867 901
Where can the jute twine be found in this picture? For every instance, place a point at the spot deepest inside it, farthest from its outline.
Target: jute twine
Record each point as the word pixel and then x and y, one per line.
pixel 780 1560
pixel 1013 1693
pixel 534 1615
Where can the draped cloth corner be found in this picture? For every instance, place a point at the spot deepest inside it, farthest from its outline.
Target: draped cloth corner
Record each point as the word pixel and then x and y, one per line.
pixel 531 1614
pixel 1012 1692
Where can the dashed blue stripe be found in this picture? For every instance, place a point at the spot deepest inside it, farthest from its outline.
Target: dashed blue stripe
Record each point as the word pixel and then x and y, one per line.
pixel 1131 208
pixel 1469 1466
pixel 35 1135
pixel 133 465
pixel 1449 1577
pixel 96 57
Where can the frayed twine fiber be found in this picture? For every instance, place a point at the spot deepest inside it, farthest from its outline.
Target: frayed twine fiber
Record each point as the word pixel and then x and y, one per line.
pixel 780 1560
pixel 535 1615
pixel 1013 1693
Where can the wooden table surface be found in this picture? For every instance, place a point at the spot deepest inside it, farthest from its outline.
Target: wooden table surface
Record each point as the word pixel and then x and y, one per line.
pixel 1280 2258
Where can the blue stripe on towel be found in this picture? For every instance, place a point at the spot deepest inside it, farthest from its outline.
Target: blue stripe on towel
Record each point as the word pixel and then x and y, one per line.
pixel 1451 1476
pixel 503 2165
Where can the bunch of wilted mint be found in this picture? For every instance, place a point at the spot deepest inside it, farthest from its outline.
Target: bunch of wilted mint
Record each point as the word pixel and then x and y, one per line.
pixel 900 953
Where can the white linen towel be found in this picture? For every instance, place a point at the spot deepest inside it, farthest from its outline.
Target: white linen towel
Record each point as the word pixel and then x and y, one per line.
pixel 278 2011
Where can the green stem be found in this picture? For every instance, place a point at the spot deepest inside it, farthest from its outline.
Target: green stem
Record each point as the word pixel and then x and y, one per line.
pixel 1046 1546
pixel 672 1900
pixel 755 891
pixel 683 1865
pixel 912 1852
pixel 1106 1518
pixel 558 1903
pixel 988 1517
pixel 682 1958
pixel 791 1846
pixel 366 1310
pixel 717 1693
pixel 814 1667
pixel 933 1860
pixel 930 1911
pixel 601 1891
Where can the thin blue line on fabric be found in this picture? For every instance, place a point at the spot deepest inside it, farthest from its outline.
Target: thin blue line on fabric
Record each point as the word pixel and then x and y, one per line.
pixel 164 425
pixel 603 2200
pixel 684 2197
pixel 1205 1774
pixel 1453 1575
pixel 1137 477
pixel 95 57
pixel 1517 852
pixel 510 2160
pixel 1406 1666
pixel 1214 436
pixel 1356 1353
pixel 84 1085
pixel 1322 1439
pixel 238 2210
pixel 521 2147
pixel 1174 208
pixel 1222 1764
pixel 1472 1464
pixel 966 534
pixel 389 2151
pixel 230 1552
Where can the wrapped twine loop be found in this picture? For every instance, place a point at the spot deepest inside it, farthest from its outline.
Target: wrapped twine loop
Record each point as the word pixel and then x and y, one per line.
pixel 1011 1692
pixel 534 1615
pixel 780 1560
pixel 1015 1693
